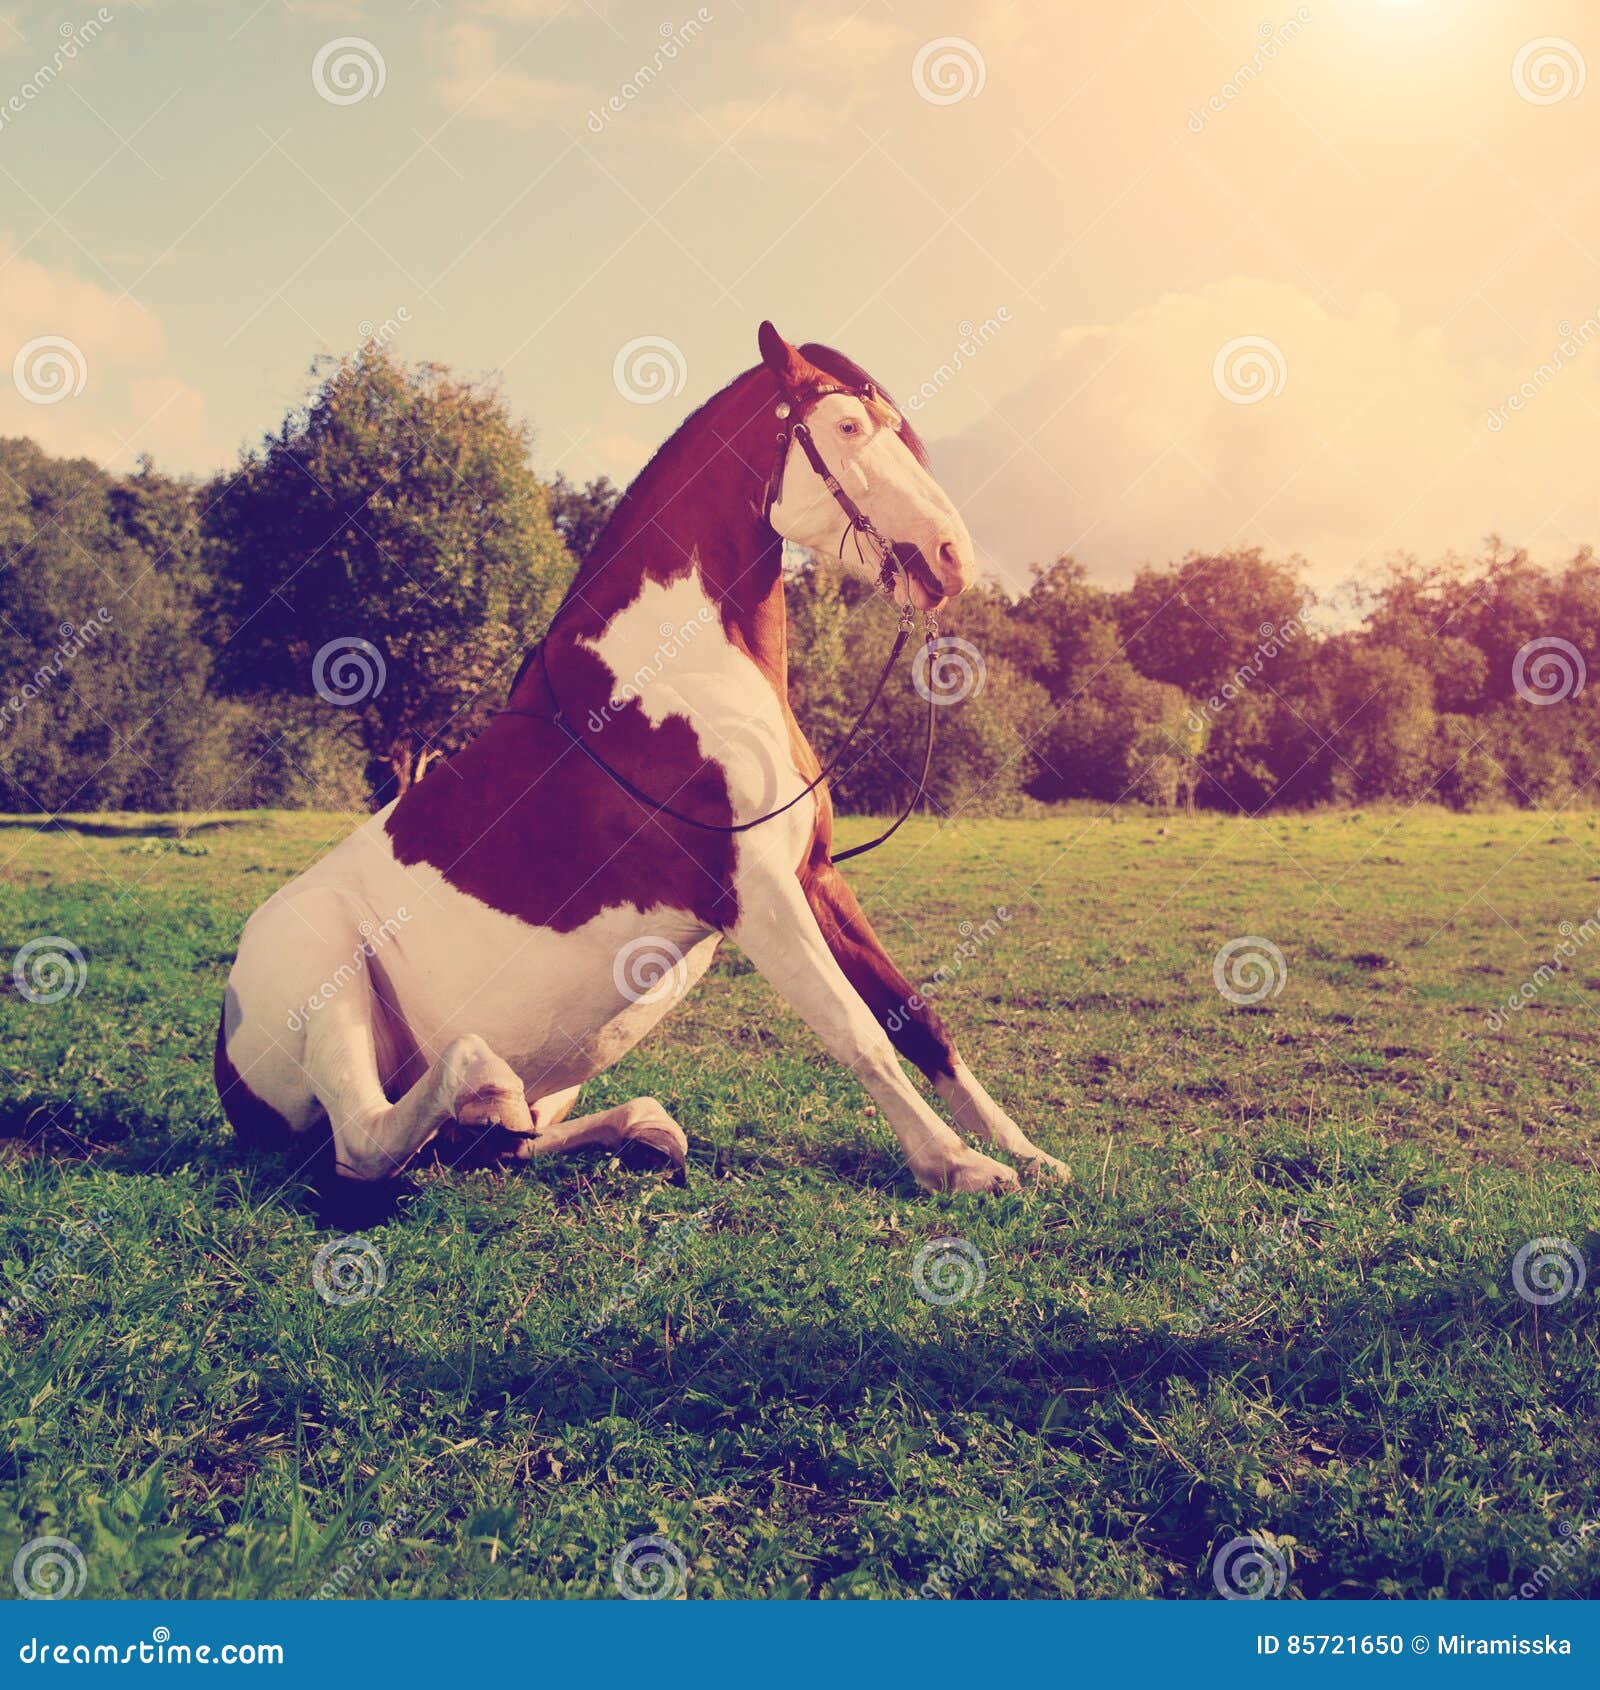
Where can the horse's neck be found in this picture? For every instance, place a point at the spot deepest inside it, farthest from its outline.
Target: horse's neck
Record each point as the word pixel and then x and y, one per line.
pixel 700 534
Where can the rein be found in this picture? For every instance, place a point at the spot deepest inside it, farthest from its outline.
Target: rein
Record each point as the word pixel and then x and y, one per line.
pixel 859 524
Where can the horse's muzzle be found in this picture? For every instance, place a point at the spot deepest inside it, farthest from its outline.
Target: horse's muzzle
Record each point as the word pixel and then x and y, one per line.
pixel 917 568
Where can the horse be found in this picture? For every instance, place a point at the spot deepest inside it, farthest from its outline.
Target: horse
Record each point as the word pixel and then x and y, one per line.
pixel 518 920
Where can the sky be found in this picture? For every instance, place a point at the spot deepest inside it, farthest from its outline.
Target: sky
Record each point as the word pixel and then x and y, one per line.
pixel 1322 278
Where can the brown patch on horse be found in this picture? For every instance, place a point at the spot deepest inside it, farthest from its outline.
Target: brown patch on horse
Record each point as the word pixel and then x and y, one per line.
pixel 523 822
pixel 258 1124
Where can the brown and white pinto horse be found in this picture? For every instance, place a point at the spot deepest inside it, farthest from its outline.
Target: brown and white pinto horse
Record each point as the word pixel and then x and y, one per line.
pixel 469 954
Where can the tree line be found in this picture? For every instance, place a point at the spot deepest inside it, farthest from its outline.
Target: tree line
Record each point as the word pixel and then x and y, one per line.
pixel 321 624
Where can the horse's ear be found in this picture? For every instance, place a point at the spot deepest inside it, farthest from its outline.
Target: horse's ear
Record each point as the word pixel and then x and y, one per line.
pixel 781 358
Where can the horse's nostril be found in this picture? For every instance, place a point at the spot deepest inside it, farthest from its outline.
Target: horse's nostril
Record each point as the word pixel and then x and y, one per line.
pixel 951 570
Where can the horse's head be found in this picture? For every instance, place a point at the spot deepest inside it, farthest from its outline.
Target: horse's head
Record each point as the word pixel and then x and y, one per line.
pixel 872 453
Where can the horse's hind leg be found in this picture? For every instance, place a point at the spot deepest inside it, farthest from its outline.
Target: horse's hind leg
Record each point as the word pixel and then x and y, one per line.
pixel 640 1131
pixel 374 1138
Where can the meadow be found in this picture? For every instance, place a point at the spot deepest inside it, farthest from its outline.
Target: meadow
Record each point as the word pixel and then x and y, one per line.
pixel 1275 1334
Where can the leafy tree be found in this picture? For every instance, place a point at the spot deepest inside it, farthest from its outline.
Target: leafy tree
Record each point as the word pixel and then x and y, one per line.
pixel 840 634
pixel 1112 733
pixel 579 513
pixel 1376 724
pixel 390 550
pixel 102 675
pixel 1195 625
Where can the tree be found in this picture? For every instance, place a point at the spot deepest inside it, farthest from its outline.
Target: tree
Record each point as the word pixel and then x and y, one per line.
pixel 1111 733
pixel 391 551
pixel 103 701
pixel 840 632
pixel 579 513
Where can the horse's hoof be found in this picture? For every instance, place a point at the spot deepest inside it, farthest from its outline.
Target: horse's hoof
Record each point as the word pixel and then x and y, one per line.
pixel 490 1094
pixel 656 1146
pixel 980 1175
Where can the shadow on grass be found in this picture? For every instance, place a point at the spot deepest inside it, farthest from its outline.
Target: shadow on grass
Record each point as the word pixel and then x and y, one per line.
pixel 130 829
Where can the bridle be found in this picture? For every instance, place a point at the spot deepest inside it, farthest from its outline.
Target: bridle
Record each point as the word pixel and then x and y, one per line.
pixel 790 414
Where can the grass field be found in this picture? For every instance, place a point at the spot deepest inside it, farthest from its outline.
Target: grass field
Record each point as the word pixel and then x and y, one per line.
pixel 1277 1302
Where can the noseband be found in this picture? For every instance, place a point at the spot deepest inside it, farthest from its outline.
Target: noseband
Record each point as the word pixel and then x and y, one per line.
pixel 890 558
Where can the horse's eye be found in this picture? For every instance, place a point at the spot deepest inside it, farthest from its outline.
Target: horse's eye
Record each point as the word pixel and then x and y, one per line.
pixel 849 427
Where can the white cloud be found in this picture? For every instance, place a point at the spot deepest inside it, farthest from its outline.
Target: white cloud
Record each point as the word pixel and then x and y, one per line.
pixel 482 78
pixel 829 65
pixel 83 333
pixel 1122 450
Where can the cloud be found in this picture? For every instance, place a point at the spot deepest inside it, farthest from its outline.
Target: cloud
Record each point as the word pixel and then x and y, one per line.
pixel 828 65
pixel 841 44
pixel 481 78
pixel 1136 442
pixel 790 116
pixel 102 353
pixel 618 454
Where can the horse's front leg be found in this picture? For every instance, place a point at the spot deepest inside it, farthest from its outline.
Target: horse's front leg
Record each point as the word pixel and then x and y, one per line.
pixel 779 933
pixel 909 1020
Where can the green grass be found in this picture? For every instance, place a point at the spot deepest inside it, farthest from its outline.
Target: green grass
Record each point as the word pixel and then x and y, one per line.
pixel 1276 1299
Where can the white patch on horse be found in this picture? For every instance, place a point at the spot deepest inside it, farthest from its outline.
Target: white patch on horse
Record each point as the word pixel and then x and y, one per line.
pixel 716 688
